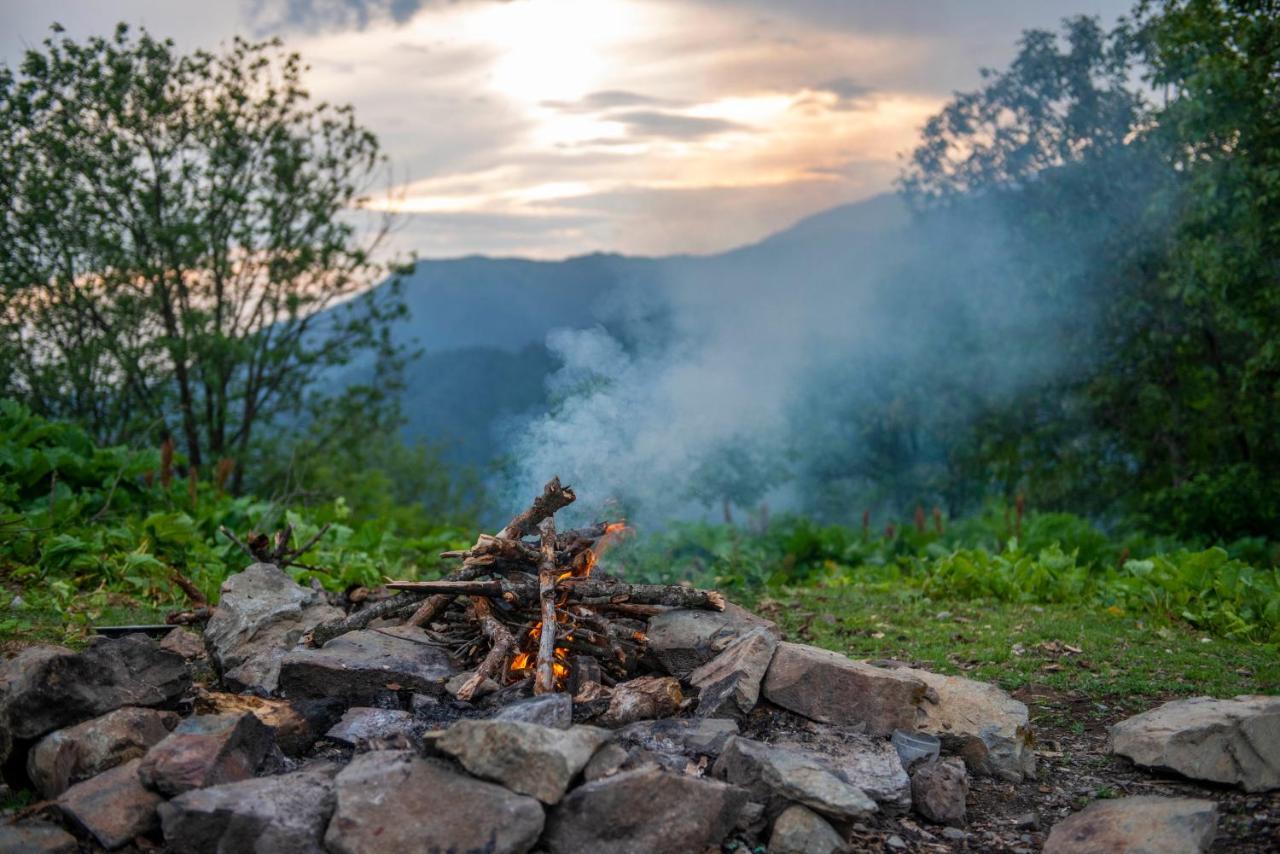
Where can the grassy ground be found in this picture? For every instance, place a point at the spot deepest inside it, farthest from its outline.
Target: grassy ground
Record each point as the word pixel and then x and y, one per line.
pixel 25 626
pixel 1114 658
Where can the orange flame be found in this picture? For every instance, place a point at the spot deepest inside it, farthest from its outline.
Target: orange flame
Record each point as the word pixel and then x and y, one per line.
pixel 582 567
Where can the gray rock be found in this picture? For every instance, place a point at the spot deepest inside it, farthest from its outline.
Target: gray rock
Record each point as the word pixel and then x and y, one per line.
pixel 526 758
pixel 986 727
pixel 262 614
pixel 685 640
pixel 1139 825
pixel 362 724
pixel 206 750
pixel 801 831
pixel 36 837
pixel 184 643
pixel 778 776
pixel 391 800
pixel 286 814
pixel 871 764
pixel 939 790
pixel 644 812
pixel 76 753
pixel 690 737
pixel 1236 742
pixel 606 761
pixel 553 710
pixel 112 807
pixel 729 684
pixel 45 688
pixel 363 666
pixel 830 688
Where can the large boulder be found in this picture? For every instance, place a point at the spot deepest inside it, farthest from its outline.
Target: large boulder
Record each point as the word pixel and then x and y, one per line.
pixel 364 666
pixel 648 811
pixel 1139 825
pixel 831 688
pixel 391 800
pixel 778 776
pixel 1236 742
pixel 979 722
pixel 206 750
pixel 45 688
pixel 112 807
pixel 801 831
pixel 262 614
pixel 682 640
pixel 729 684
pixel 526 758
pixel 286 814
pixel 871 764
pixel 76 753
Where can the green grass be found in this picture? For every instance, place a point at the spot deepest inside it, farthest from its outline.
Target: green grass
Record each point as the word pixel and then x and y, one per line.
pixel 31 625
pixel 1123 660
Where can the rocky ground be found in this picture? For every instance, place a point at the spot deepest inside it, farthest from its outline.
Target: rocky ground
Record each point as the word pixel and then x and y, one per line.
pixel 733 740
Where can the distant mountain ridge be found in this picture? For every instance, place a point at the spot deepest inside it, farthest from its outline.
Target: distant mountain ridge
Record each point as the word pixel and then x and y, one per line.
pixel 482 323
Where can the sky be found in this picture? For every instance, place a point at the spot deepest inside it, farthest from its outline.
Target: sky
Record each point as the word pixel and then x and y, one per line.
pixel 551 128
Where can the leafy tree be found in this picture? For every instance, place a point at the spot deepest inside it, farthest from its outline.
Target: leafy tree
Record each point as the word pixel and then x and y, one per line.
pixel 1150 228
pixel 1062 100
pixel 180 256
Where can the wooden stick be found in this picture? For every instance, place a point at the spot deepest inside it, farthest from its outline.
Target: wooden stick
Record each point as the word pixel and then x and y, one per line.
pixel 437 603
pixel 500 645
pixel 544 678
pixel 193 593
pixel 394 606
pixel 305 547
pixel 594 592
pixel 553 498
pixel 226 532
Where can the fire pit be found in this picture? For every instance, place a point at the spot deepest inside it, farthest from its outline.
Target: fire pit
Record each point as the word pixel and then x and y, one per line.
pixel 528 700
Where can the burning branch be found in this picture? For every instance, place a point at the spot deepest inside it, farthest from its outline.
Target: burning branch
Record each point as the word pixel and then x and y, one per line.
pixel 544 675
pixel 501 643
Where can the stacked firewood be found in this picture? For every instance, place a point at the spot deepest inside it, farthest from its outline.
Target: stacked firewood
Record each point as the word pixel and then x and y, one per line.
pixel 523 609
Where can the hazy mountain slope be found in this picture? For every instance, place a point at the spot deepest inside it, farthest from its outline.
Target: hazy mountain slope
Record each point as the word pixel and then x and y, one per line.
pixel 482 323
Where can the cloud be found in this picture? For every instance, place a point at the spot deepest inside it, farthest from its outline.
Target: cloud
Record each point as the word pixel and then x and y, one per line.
pixel 656 123
pixel 848 93
pixel 609 99
pixel 269 16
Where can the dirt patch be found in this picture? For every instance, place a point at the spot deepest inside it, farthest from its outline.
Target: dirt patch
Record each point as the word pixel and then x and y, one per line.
pixel 1074 769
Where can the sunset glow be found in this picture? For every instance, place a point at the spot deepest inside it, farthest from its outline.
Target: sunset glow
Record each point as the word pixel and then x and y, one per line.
pixel 547 128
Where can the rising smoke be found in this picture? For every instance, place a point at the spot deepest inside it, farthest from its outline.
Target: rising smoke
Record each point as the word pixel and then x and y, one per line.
pixel 822 370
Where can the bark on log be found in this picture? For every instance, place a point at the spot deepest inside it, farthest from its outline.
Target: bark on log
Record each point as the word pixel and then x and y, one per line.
pixel 489 549
pixel 500 645
pixel 553 498
pixel 589 591
pixel 428 610
pixel 395 606
pixel 544 677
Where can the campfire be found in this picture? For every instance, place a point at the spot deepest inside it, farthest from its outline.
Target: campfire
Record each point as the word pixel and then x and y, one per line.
pixel 520 609
pixel 527 701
